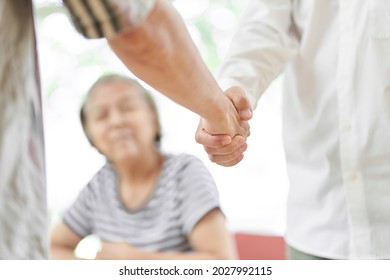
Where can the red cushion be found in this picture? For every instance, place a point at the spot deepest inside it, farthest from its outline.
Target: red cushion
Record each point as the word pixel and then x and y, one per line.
pixel 260 247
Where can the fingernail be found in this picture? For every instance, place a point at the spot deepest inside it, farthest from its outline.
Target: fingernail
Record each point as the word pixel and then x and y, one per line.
pixel 225 141
pixel 247 113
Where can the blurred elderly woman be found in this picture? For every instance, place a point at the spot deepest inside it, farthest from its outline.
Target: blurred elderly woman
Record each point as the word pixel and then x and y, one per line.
pixel 142 204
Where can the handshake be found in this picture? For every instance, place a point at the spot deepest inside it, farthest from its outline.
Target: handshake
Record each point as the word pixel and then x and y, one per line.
pixel 223 134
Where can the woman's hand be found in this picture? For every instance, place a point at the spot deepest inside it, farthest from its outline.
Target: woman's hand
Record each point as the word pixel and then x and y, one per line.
pixel 118 251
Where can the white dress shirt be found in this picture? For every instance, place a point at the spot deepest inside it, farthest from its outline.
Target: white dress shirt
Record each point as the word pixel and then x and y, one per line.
pixel 335 55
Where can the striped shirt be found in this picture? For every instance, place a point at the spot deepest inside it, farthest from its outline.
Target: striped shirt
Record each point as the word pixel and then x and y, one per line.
pixel 107 18
pixel 184 193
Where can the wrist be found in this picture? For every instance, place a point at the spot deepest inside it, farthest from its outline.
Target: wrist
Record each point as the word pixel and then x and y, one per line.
pixel 217 109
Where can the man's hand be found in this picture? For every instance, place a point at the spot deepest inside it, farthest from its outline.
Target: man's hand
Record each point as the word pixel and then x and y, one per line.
pixel 226 143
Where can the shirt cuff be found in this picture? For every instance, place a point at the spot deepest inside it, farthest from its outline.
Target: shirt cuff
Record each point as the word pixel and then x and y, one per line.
pixel 107 18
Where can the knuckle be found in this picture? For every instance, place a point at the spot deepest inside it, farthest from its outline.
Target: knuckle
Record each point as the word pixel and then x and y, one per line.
pixel 198 138
pixel 212 158
pixel 238 153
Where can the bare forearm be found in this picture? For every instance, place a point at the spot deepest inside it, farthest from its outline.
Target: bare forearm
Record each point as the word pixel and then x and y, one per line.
pixel 62 253
pixel 146 255
pixel 161 52
pixel 131 253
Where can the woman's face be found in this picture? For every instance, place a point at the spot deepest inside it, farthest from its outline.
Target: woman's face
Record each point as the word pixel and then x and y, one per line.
pixel 119 121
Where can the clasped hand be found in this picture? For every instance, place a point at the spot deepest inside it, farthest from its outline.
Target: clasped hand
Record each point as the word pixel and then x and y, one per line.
pixel 225 141
pixel 118 251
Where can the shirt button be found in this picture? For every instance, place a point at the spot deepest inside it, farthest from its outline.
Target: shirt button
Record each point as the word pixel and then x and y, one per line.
pixel 347 127
pixel 352 176
pixel 347 27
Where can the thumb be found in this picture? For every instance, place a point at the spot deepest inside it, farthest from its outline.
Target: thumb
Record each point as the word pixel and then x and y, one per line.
pixel 241 102
pixel 211 141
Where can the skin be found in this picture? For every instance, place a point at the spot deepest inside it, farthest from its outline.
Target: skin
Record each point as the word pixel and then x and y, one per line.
pixel 122 127
pixel 161 52
pixel 219 149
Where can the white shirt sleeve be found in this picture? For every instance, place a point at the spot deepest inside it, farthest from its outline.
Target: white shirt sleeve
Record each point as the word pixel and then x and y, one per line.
pixel 261 48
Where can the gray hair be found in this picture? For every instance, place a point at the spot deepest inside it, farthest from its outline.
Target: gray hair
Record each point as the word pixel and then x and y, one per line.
pixel 134 83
